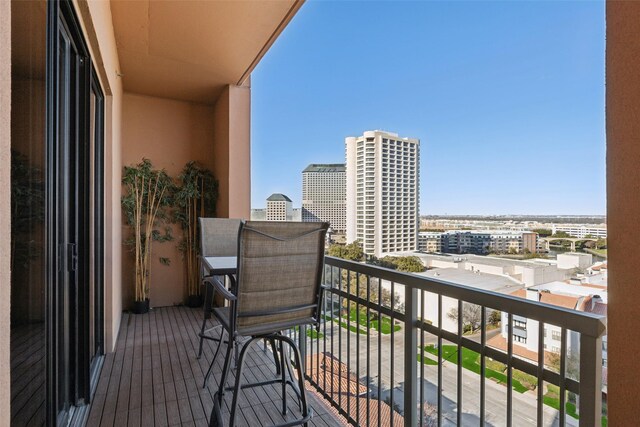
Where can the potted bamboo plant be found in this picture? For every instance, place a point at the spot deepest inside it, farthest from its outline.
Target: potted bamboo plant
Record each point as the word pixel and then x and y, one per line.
pixel 195 197
pixel 145 204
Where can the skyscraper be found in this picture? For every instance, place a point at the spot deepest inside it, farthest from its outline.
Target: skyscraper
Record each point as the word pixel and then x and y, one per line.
pixel 382 192
pixel 324 195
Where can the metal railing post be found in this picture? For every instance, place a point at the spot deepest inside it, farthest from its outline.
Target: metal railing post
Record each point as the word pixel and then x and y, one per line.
pixel 590 405
pixel 411 357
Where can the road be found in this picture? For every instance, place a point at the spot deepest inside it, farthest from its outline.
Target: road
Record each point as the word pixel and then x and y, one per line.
pixel 524 404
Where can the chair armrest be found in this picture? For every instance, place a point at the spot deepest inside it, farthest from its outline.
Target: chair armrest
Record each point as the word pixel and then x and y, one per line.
pixel 219 287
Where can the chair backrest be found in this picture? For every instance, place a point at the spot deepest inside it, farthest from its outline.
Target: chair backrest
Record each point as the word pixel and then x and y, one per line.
pixel 279 272
pixel 219 236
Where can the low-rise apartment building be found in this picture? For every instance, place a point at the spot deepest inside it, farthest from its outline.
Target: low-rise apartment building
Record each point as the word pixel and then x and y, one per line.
pixel 478 241
pixel 587 297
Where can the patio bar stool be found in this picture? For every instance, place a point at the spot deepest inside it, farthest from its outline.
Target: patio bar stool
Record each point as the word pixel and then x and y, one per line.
pixel 278 288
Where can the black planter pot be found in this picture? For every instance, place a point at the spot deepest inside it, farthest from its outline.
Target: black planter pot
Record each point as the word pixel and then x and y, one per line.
pixel 141 307
pixel 194 301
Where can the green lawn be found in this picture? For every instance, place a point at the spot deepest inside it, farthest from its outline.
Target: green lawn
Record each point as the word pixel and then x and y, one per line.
pixel 383 326
pixel 470 361
pixel 352 328
pixel 311 332
pixel 601 252
pixel 426 360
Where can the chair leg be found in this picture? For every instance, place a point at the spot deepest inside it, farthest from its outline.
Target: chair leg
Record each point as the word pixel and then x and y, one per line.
pixel 206 377
pixel 206 308
pixel 276 359
pixel 225 370
pixel 290 372
pixel 303 395
pixel 284 379
pixel 237 389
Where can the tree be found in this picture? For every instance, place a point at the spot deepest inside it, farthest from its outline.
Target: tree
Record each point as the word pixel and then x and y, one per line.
pixel 561 234
pixel 572 364
pixel 194 198
pixel 352 251
pixel 410 264
pixel 386 300
pixel 471 316
pixel 543 232
pixel 146 201
pixel 494 317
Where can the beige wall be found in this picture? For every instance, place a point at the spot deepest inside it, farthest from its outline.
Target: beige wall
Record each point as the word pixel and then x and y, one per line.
pixel 169 133
pixel 623 206
pixel 232 151
pixel 5 207
pixel 95 19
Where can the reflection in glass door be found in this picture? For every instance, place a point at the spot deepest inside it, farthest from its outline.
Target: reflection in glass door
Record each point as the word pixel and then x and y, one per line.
pixel 57 221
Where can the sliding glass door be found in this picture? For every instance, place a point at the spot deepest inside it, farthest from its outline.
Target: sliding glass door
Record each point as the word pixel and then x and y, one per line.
pixel 57 186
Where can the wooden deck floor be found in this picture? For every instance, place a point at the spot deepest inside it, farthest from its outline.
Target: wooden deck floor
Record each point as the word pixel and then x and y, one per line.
pixel 154 379
pixel 28 375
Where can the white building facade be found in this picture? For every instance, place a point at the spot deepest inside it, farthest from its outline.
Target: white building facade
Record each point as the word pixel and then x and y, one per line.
pixel 324 195
pixel 581 231
pixel 279 208
pixel 478 241
pixel 382 190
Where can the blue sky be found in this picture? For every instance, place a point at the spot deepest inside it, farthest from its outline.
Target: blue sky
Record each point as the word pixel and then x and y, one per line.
pixel 507 99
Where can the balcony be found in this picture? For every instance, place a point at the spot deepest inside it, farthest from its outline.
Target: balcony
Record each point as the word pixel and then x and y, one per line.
pixel 361 371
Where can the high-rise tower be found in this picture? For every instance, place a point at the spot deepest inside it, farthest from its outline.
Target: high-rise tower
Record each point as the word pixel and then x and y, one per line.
pixel 382 192
pixel 324 195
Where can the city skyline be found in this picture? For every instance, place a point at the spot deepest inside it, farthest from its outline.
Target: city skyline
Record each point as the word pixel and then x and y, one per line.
pixel 508 101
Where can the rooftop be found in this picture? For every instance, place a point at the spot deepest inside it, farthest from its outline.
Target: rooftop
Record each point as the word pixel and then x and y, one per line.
pixel 487 282
pixel 562 288
pixel 278 197
pixel 332 167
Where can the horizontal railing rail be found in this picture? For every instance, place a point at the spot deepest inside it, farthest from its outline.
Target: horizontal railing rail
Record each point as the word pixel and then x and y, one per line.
pixel 371 357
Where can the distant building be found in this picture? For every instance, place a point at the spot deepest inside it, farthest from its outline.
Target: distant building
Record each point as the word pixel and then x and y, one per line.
pixel 581 231
pixel 478 241
pixel 296 215
pixel 585 297
pixel 577 260
pixel 429 241
pixel 324 195
pixel 258 214
pixel 382 192
pixel 279 208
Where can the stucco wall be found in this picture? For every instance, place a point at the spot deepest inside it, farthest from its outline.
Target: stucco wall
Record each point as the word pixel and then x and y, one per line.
pixel 623 206
pixel 5 207
pixel 169 133
pixel 232 151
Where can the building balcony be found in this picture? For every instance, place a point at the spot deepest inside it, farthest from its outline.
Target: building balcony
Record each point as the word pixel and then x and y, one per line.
pixel 387 352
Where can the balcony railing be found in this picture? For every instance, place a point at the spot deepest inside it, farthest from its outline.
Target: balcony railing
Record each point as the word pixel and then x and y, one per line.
pixel 392 350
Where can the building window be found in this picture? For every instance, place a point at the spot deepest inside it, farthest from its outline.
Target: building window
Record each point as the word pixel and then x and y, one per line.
pixel 519 339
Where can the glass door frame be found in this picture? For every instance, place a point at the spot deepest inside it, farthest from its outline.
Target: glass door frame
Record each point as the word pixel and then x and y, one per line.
pixel 69 165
